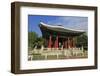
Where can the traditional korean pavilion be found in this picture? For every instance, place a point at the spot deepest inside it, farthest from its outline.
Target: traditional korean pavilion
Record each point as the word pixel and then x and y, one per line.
pixel 55 36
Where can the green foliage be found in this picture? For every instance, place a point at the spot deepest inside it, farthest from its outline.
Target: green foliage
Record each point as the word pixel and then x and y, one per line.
pixel 34 40
pixel 39 42
pixel 82 40
pixel 32 37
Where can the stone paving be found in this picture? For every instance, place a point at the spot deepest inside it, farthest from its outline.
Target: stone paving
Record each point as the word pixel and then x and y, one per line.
pixel 52 53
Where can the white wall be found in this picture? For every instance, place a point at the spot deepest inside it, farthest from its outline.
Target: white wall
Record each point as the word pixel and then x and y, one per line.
pixel 5 42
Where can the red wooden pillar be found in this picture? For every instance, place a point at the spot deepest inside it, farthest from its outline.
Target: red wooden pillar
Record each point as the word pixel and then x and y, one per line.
pixel 68 42
pixel 65 43
pixel 73 43
pixel 56 42
pixel 50 41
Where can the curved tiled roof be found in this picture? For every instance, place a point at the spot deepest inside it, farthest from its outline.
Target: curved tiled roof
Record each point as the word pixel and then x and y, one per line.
pixel 60 28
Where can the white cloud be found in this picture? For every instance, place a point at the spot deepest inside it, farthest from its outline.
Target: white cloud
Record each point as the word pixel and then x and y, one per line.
pixel 80 23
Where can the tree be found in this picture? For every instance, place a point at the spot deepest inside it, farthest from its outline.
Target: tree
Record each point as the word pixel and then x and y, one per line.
pixel 34 40
pixel 82 40
pixel 40 41
pixel 32 37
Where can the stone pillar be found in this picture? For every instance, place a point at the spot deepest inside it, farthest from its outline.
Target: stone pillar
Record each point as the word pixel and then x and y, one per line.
pixel 82 48
pixel 50 41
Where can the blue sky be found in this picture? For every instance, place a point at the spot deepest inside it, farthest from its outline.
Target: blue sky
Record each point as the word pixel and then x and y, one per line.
pixel 73 22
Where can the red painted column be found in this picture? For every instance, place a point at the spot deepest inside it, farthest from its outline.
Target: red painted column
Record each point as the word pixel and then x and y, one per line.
pixel 73 43
pixel 56 42
pixel 68 42
pixel 50 41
